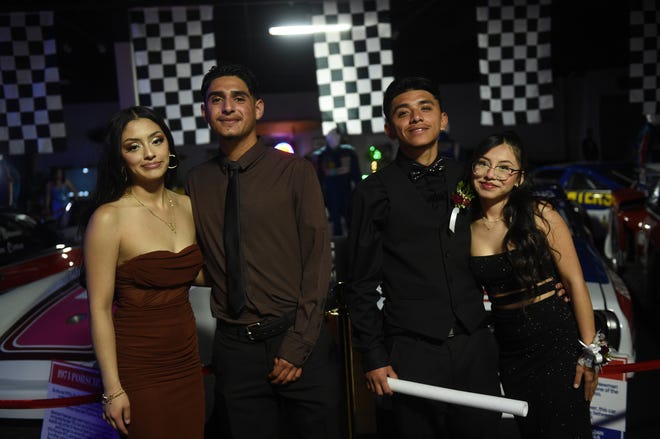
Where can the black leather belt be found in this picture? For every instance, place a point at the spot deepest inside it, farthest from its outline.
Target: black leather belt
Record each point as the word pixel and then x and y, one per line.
pixel 258 331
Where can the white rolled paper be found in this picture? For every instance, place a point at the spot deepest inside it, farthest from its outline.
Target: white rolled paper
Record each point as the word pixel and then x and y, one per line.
pixel 476 400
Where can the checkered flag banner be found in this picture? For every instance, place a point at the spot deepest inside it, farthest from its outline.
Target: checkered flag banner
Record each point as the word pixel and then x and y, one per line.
pixel 514 61
pixel 173 48
pixel 353 67
pixel 645 55
pixel 31 115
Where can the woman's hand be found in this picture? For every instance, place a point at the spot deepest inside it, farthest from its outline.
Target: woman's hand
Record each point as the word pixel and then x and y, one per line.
pixel 117 413
pixel 590 377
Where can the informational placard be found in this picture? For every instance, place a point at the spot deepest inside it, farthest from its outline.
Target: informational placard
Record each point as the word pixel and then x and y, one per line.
pixel 78 421
pixel 608 407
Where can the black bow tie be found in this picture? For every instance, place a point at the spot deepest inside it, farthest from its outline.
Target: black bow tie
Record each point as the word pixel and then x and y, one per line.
pixel 418 170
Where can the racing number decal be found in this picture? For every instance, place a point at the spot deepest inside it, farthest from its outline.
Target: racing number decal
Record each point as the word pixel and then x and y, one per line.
pixel 592 199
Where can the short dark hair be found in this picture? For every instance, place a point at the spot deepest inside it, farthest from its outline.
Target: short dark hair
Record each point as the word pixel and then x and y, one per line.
pixel 402 85
pixel 238 70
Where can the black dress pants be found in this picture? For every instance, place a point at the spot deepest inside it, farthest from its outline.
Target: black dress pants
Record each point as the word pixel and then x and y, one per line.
pixel 251 407
pixel 463 362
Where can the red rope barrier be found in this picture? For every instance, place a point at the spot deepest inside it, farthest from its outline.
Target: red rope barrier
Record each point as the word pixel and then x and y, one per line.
pixel 49 403
pixel 632 367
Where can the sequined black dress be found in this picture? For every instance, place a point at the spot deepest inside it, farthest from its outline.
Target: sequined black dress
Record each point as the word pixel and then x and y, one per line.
pixel 538 353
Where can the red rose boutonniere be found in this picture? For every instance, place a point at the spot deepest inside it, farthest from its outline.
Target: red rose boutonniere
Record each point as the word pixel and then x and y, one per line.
pixel 461 199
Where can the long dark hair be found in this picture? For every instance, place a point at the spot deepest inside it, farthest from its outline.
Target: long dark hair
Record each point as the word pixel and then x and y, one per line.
pixel 533 253
pixel 112 178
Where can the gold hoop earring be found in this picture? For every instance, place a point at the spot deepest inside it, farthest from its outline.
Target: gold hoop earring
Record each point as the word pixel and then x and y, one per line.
pixel 176 164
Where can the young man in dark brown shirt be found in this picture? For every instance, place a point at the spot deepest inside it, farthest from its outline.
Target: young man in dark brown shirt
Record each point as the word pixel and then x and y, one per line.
pixel 276 351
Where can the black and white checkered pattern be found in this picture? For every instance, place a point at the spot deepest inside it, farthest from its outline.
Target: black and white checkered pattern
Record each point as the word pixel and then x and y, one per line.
pixel 353 68
pixel 173 49
pixel 645 56
pixel 514 61
pixel 31 115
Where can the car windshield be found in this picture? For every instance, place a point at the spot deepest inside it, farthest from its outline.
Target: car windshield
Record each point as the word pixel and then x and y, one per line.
pixel 548 175
pixel 623 176
pixel 601 179
pixel 22 237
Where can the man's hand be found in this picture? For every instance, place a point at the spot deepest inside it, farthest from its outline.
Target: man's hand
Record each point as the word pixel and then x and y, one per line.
pixel 284 372
pixel 377 380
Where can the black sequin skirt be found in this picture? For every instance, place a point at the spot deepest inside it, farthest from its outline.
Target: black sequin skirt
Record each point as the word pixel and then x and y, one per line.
pixel 539 349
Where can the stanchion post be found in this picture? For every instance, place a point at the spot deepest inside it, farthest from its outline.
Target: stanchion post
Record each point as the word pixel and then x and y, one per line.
pixel 347 362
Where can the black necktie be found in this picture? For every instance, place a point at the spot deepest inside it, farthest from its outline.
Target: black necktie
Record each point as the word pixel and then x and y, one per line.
pixel 417 170
pixel 232 237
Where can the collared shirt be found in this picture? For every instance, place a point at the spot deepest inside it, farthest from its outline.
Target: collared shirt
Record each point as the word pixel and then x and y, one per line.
pixel 284 236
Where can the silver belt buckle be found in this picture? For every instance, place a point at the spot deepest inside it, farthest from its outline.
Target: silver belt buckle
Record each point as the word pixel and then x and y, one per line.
pixel 248 330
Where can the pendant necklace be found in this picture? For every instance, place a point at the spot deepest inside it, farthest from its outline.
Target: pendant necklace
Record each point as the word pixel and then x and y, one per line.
pixel 170 224
pixel 487 221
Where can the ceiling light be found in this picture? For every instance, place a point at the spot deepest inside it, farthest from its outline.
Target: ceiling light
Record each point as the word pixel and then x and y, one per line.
pixel 308 29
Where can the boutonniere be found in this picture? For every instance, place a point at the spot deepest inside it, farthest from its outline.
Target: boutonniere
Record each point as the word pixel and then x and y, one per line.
pixel 461 199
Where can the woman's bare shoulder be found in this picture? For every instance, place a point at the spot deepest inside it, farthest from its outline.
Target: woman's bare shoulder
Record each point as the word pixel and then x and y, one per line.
pixel 546 210
pixel 111 213
pixel 182 199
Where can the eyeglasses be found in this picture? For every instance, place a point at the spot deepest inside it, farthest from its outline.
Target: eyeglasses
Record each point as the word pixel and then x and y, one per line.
pixel 500 172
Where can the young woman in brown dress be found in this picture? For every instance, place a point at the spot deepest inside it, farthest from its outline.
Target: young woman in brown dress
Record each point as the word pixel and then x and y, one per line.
pixel 140 260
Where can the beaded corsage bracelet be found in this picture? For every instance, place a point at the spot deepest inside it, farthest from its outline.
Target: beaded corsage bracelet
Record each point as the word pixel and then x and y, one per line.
pixel 597 354
pixel 107 399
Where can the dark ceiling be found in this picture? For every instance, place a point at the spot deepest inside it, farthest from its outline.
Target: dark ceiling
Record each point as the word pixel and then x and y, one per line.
pixel 435 38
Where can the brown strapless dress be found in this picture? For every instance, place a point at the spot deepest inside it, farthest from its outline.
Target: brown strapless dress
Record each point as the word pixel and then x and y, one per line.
pixel 157 350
